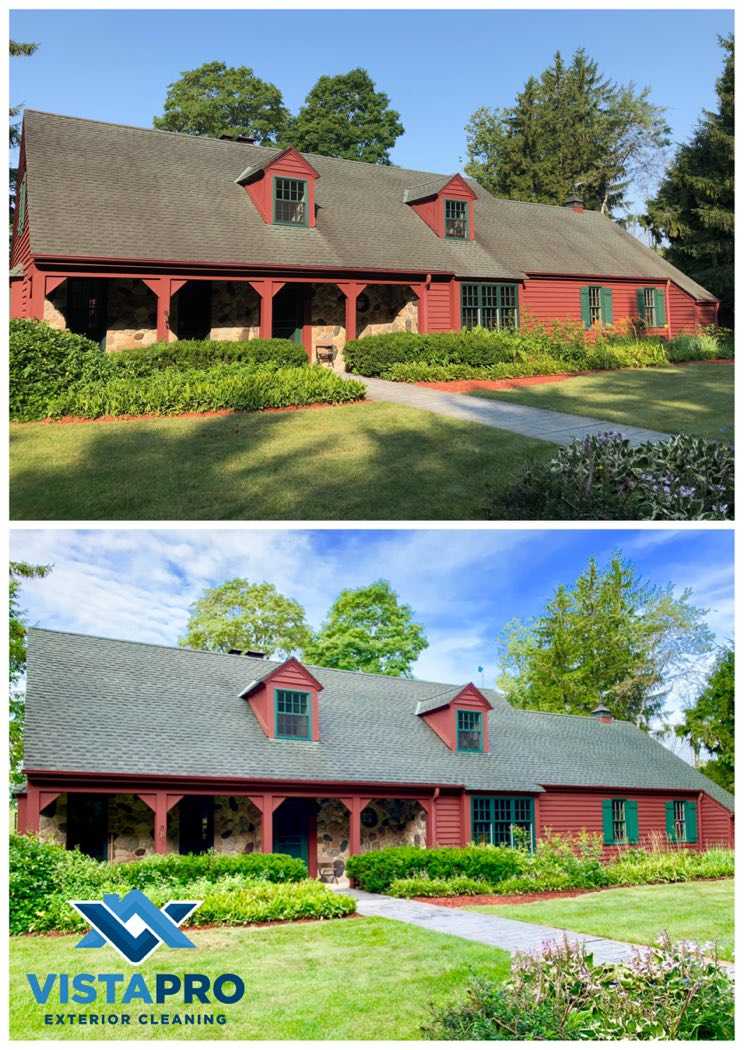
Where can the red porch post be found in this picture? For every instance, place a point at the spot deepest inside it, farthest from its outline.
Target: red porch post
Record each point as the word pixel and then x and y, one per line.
pixel 32 811
pixel 420 291
pixel 161 803
pixel 36 299
pixel 164 288
pixel 467 833
pixel 352 290
pixel 355 805
pixel 266 290
pixel 267 804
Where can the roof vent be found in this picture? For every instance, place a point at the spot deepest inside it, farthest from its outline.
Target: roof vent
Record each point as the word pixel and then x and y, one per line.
pixel 247 652
pixel 602 713
pixel 575 202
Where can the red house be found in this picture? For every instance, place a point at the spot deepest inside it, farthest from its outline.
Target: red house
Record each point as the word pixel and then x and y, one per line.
pixel 133 748
pixel 131 236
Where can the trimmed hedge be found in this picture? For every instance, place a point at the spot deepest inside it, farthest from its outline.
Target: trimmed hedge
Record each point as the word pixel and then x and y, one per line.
pixel 376 871
pixel 228 386
pixel 460 886
pixel 45 362
pixel 231 904
pixel 175 868
pixel 189 354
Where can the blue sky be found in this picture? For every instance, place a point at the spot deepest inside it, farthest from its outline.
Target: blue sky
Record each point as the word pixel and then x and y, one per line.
pixel 463 586
pixel 436 66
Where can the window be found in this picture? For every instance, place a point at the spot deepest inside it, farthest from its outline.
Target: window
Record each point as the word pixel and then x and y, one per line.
pixel 620 821
pixel 681 821
pixel 596 306
pixel 290 202
pixel 490 306
pixel 292 715
pixel 469 731
pixel 649 307
pixel 456 219
pixel 494 820
pixel 21 207
pixel 619 826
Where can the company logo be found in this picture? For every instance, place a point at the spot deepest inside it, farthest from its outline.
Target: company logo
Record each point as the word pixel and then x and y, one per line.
pixel 133 925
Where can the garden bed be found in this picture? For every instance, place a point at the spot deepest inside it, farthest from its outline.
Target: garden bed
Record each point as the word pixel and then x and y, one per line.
pixel 206 414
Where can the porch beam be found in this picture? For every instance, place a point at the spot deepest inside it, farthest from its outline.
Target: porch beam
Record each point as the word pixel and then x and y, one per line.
pixel 46 798
pixel 52 283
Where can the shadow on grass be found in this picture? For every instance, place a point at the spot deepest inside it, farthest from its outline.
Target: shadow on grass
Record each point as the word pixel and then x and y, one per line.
pixel 364 461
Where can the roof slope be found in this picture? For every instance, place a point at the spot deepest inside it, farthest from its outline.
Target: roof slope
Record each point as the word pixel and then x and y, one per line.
pixel 97 704
pixel 113 191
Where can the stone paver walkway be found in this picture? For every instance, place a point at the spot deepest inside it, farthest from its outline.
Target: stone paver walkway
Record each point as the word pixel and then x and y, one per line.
pixel 559 427
pixel 508 934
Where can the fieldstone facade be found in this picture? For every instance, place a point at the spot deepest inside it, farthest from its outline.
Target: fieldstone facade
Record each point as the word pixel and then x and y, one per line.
pixel 132 315
pixel 237 826
pixel 235 311
pixel 385 822
pixel 380 308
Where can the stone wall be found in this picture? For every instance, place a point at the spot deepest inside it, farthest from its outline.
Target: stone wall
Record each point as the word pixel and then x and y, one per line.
pixel 236 309
pixel 53 822
pixel 392 308
pixel 327 318
pixel 385 822
pixel 55 305
pixel 130 826
pixel 132 314
pixel 237 826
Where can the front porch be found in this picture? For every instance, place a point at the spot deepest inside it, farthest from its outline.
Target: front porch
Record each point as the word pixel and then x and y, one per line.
pixel 121 311
pixel 323 828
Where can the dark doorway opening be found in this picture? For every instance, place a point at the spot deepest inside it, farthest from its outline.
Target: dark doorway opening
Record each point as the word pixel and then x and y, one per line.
pixel 195 824
pixel 292 828
pixel 87 307
pixel 87 825
pixel 194 310
pixel 289 312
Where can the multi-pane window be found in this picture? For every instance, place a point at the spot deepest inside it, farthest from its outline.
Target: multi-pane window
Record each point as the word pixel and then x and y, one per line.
pixel 290 201
pixel 456 219
pixel 649 307
pixel 680 824
pixel 292 715
pixel 595 305
pixel 469 731
pixel 619 823
pixel 494 820
pixel 490 306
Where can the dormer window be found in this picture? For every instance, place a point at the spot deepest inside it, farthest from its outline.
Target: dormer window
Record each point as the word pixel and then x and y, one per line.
pixel 290 202
pixel 456 220
pixel 469 731
pixel 292 711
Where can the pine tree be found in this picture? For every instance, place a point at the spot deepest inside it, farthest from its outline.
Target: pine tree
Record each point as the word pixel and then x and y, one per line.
pixel 692 213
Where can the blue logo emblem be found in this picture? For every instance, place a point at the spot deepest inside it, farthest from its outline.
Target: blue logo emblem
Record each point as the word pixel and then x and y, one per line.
pixel 133 925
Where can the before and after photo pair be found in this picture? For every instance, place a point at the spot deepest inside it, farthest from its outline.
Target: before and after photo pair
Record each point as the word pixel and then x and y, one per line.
pixel 371 524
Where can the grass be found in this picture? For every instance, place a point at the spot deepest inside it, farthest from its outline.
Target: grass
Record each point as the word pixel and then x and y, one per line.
pixel 345 979
pixel 694 399
pixel 697 911
pixel 367 461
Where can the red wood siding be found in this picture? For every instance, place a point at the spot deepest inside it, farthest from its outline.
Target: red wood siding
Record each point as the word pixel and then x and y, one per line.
pixel 448 810
pixel 442 306
pixel 681 311
pixel 567 811
pixel 707 313
pixel 20 301
pixel 716 823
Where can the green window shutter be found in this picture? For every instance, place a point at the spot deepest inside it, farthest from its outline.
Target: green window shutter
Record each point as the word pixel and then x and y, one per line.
pixel 660 307
pixel 691 822
pixel 669 810
pixel 585 315
pixel 640 303
pixel 631 821
pixel 607 821
pixel 606 301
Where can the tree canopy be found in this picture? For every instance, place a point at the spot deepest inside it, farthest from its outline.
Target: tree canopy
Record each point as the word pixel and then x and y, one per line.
pixel 216 99
pixel 368 629
pixel 17 50
pixel 609 637
pixel 709 723
pixel 345 116
pixel 17 656
pixel 692 214
pixel 570 130
pixel 242 615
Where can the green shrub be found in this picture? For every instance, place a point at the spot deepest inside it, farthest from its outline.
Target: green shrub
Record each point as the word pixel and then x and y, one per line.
pixel 421 372
pixel 459 886
pixel 45 362
pixel 189 354
pixel 604 478
pixel 229 386
pixel 377 870
pixel 673 865
pixel 705 345
pixel 173 868
pixel 668 992
pixel 232 904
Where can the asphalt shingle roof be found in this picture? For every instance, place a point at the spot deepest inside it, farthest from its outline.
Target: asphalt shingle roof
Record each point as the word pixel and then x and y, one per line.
pixel 98 704
pixel 113 191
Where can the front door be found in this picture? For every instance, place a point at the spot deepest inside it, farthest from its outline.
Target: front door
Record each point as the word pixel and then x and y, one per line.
pixel 289 313
pixel 195 824
pixel 87 307
pixel 194 310
pixel 87 825
pixel 292 827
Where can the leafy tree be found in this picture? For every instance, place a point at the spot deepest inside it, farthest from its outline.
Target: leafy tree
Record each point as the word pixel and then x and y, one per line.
pixel 17 50
pixel 609 637
pixel 17 656
pixel 243 615
pixel 216 99
pixel 692 213
pixel 709 723
pixel 368 630
pixel 569 130
pixel 344 116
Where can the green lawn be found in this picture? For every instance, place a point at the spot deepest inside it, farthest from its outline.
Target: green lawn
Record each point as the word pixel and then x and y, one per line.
pixel 698 911
pixel 373 461
pixel 694 399
pixel 345 979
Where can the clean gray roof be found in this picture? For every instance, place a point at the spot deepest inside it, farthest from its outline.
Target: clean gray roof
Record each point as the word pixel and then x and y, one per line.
pixel 97 704
pixel 113 191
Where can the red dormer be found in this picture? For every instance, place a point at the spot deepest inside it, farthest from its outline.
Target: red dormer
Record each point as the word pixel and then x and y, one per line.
pixel 283 189
pixel 285 702
pixel 446 207
pixel 459 718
